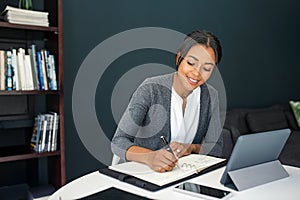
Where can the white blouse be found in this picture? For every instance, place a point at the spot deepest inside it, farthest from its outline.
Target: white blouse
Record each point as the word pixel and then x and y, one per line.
pixel 184 126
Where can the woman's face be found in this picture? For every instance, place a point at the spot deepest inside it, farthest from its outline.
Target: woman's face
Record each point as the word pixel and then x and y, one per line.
pixel 197 66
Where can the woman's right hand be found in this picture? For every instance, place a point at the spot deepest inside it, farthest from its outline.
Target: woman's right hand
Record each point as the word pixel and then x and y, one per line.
pixel 161 160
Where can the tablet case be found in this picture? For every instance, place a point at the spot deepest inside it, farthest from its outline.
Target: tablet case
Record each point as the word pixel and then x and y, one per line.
pixel 150 186
pixel 249 177
pixel 254 160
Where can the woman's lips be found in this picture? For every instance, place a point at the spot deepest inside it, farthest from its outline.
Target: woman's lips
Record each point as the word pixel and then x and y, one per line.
pixel 192 81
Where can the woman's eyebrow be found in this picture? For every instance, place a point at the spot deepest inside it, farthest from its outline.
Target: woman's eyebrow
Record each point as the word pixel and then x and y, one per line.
pixel 193 57
pixel 210 63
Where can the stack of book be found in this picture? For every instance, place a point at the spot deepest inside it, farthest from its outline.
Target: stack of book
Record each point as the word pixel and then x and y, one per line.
pixel 44 135
pixel 31 70
pixel 28 17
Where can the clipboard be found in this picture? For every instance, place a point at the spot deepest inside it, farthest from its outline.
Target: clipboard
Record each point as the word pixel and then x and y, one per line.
pixel 150 186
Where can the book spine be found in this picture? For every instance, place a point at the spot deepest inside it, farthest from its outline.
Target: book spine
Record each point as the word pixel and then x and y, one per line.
pixel 21 69
pixel 48 71
pixel 9 72
pixel 55 130
pixel 40 129
pixel 40 70
pixel 32 53
pixel 44 70
pixel 53 69
pixel 2 70
pixel 50 133
pixel 16 81
pixel 49 119
pixel 43 135
pixel 28 71
pixel 34 139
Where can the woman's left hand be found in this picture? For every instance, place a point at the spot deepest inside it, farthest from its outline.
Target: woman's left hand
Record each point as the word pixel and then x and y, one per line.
pixel 181 149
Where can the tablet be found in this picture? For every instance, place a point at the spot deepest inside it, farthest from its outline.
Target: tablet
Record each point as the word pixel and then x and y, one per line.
pixel 254 149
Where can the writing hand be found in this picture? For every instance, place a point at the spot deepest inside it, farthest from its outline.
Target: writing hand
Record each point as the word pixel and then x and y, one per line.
pixel 161 160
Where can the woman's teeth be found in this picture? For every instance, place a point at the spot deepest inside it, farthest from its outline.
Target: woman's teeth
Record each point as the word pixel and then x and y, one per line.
pixel 193 80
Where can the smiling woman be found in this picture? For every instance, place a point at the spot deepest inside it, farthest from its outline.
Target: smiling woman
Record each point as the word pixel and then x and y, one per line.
pixel 180 106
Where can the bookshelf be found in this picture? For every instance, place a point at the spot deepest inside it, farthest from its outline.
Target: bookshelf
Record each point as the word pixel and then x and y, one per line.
pixel 20 167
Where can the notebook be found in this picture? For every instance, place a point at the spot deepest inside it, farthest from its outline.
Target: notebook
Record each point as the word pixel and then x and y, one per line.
pixel 188 165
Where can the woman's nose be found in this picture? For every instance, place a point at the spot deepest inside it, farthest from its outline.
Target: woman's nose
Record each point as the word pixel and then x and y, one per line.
pixel 196 72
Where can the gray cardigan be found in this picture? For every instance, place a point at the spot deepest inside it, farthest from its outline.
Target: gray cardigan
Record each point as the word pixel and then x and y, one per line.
pixel 147 118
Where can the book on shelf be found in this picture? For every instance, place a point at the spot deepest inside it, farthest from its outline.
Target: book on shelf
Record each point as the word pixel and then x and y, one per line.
pixel 26 17
pixel 28 73
pixel 53 72
pixel 50 70
pixel 49 131
pixel 21 68
pixel 32 54
pixel 53 145
pixel 2 70
pixel 35 138
pixel 188 165
pixel 27 69
pixel 9 71
pixel 40 70
pixel 44 72
pixel 44 134
pixel 16 81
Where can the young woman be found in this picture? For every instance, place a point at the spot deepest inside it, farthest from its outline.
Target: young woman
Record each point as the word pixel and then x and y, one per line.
pixel 179 106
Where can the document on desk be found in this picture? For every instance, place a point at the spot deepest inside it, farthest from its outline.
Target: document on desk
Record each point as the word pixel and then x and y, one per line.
pixel 188 165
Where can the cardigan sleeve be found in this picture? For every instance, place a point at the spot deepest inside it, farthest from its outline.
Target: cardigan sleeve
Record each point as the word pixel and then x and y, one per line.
pixel 133 118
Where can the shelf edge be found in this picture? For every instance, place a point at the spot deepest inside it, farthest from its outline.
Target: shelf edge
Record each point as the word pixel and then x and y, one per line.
pixel 32 155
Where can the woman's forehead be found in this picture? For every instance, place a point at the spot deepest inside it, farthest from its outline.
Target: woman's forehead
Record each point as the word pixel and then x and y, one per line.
pixel 202 52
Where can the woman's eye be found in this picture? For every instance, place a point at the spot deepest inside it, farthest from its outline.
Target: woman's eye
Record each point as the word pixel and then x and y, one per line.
pixel 190 63
pixel 207 69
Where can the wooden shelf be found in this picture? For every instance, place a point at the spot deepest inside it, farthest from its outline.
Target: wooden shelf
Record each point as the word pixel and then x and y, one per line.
pixel 29 92
pixel 15 153
pixel 28 27
pixel 16 123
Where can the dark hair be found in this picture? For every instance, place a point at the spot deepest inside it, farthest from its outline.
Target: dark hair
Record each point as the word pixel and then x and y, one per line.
pixel 199 37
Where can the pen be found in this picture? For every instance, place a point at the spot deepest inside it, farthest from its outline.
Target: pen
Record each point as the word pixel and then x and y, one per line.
pixel 169 149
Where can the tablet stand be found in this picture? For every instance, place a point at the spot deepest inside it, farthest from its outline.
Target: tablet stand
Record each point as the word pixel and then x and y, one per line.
pixel 248 177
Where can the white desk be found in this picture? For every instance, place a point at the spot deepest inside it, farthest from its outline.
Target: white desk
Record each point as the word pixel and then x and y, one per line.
pixel 287 188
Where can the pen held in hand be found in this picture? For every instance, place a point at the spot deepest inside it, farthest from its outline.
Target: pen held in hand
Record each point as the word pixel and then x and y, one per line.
pixel 169 149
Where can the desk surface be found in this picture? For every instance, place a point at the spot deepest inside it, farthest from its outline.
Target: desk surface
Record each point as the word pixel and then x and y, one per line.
pixel 287 188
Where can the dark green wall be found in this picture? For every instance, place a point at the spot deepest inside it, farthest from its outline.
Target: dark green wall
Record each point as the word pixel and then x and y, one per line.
pixel 260 66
